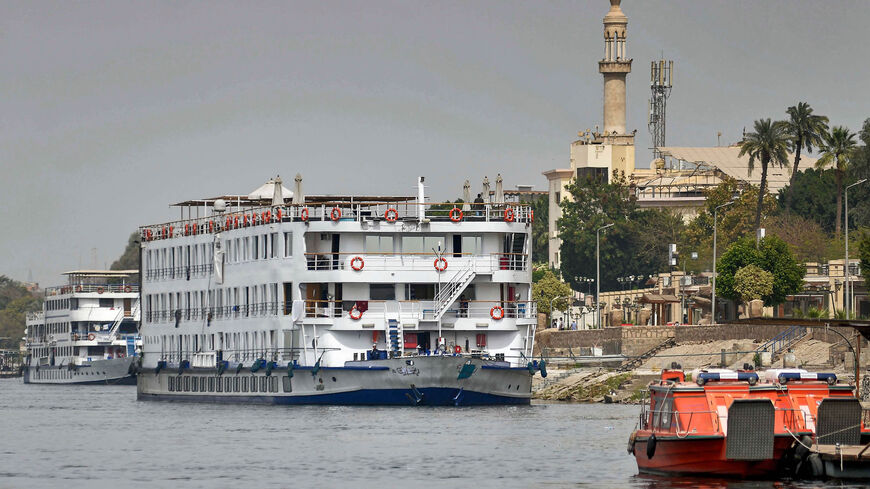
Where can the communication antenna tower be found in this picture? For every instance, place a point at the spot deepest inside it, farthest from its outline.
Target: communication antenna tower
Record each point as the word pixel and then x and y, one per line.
pixel 661 81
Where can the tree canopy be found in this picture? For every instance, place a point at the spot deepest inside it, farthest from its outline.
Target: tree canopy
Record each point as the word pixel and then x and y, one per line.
pixel 768 144
pixel 752 283
pixel 548 287
pixel 15 303
pixel 772 255
pixel 129 259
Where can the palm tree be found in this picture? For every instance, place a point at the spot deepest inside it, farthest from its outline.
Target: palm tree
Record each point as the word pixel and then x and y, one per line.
pixel 804 130
pixel 836 151
pixel 768 144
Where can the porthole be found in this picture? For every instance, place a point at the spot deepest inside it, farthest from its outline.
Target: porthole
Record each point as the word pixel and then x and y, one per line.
pixel 509 386
pixel 333 379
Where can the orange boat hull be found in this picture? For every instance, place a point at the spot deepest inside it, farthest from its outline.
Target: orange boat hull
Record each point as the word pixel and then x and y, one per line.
pixel 704 456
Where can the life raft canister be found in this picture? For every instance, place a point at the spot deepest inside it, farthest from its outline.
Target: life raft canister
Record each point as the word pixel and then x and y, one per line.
pixel 456 214
pixel 497 313
pixel 440 264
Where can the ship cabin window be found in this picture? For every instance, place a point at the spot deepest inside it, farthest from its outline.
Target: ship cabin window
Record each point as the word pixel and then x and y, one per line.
pixel 379 244
pixel 287 384
pixel 107 302
pixel 288 245
pixel 219 385
pixel 171 385
pixel 382 292
pixel 263 384
pixel 420 292
pixel 211 384
pixel 255 247
pixel 244 384
pixel 273 248
pixel 422 244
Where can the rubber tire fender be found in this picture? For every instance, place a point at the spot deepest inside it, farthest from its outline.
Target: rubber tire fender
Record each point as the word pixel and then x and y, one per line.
pixel 651 446
pixel 812 467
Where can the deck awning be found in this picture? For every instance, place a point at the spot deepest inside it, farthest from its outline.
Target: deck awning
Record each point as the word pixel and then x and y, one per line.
pixel 658 299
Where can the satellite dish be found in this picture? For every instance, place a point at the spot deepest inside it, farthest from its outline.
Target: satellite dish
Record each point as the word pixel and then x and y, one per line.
pixel 220 205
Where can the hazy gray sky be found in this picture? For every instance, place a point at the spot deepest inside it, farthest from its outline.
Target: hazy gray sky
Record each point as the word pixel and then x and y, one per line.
pixel 109 111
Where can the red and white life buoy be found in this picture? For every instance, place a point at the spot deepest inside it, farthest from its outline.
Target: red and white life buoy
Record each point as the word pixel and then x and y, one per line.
pixel 211 226
pixel 128 289
pixel 335 214
pixel 100 290
pixel 357 263
pixel 355 313
pixel 91 337
pixel 496 313
pixel 509 214
pixel 440 264
pixel 456 214
pixel 457 349
pixel 391 215
pixel 304 214
pixel 278 214
pixel 78 288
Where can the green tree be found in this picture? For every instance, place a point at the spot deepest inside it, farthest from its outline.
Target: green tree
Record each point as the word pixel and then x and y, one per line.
pixel 549 288
pixel 806 238
pixel 540 227
pixel 129 260
pixel 864 256
pixel 837 149
pixel 859 209
pixel 768 144
pixel 637 244
pixel 804 130
pixel 772 255
pixel 15 303
pixel 814 197
pixel 752 283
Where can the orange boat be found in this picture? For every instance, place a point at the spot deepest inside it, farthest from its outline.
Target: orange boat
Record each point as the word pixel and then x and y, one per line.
pixel 725 424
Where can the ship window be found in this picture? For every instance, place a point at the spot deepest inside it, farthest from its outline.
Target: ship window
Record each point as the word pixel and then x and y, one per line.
pixel 422 244
pixel 288 386
pixel 382 292
pixel 107 302
pixel 186 383
pixel 420 292
pixel 253 383
pixel 288 244
pixel 263 381
pixel 472 245
pixel 379 244
pixel 211 384
pixel 255 248
pixel 244 384
pixel 274 381
pixel 273 252
pixel 219 385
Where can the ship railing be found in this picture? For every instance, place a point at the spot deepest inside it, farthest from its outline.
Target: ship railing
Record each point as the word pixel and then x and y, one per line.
pixel 181 272
pixel 340 211
pixel 35 316
pixel 254 309
pixel 419 309
pixel 362 261
pixel 98 288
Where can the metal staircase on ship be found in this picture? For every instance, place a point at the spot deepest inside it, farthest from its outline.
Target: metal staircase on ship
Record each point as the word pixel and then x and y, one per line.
pixel 452 290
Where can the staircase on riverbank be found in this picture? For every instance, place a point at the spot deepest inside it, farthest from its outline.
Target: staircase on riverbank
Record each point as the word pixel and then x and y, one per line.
pixel 638 361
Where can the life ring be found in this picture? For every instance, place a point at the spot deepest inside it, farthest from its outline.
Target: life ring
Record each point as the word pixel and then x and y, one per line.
pixel 100 290
pixel 335 214
pixel 171 228
pixel 75 337
pixel 304 214
pixel 211 226
pixel 91 336
pixel 353 263
pixel 267 216
pixel 355 313
pixel 496 313
pixel 128 289
pixel 391 214
pixel 247 218
pixel 163 233
pixel 440 264
pixel 278 214
pixel 457 349
pixel 509 214
pixel 454 216
pixel 148 235
pixel 78 288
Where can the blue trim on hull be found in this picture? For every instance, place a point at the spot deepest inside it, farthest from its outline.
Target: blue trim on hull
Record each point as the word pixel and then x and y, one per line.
pixel 431 396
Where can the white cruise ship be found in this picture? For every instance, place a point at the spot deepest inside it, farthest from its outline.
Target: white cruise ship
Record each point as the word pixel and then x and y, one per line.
pixel 87 332
pixel 338 300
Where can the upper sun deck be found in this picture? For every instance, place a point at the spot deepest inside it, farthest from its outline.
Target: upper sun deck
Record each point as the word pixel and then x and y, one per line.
pixel 99 281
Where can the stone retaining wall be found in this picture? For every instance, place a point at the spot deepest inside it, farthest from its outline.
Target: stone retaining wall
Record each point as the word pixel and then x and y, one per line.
pixel 636 340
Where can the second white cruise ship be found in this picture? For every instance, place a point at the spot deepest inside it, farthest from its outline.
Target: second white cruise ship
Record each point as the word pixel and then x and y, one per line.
pixel 338 300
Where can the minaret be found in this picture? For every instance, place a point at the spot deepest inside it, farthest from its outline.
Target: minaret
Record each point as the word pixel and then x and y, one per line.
pixel 615 66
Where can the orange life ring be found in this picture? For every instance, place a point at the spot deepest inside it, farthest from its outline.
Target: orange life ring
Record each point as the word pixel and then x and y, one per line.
pixel 496 313
pixel 457 349
pixel 247 219
pixel 304 214
pixel 278 213
pixel 100 290
pixel 453 216
pixel 355 313
pixel 211 226
pixel 353 261
pixel 78 288
pixel 163 233
pixel 148 234
pixel 128 289
pixel 440 264
pixel 91 336
pixel 391 214
pixel 335 214
pixel 509 214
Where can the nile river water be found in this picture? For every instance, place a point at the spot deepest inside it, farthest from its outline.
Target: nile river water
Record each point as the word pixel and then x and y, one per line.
pixel 101 437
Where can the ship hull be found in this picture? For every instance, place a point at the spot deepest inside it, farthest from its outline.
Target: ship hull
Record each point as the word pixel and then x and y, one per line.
pixel 416 381
pixel 705 456
pixel 116 371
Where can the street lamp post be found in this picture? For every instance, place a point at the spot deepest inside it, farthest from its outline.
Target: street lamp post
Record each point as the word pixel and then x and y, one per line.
pixel 715 221
pixel 848 300
pixel 598 272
